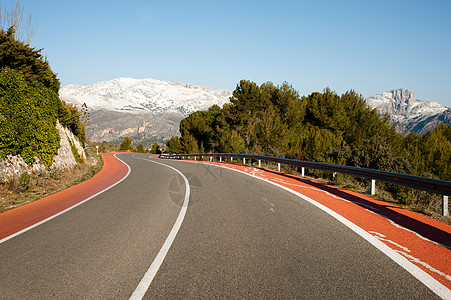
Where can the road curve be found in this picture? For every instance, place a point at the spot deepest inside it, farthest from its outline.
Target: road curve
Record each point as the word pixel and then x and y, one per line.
pixel 240 238
pixel 22 217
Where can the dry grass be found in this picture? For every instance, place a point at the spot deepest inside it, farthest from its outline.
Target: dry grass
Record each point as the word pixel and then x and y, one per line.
pixel 27 189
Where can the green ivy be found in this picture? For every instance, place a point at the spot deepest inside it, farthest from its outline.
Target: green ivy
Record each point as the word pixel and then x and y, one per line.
pixel 77 156
pixel 28 122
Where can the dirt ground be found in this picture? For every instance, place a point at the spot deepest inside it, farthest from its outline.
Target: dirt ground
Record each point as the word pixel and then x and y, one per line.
pixel 25 189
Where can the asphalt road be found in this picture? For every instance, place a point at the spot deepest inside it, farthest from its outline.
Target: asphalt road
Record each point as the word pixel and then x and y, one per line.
pixel 240 238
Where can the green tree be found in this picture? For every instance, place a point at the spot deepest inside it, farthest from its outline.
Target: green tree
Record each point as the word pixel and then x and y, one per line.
pixel 126 145
pixel 69 117
pixel 28 117
pixel 232 142
pixel 140 148
pixel 155 149
pixel 19 56
pixel 189 144
pixel 174 145
pixel 200 125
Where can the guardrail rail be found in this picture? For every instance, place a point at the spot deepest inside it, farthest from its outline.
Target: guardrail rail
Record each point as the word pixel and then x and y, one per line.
pixel 422 183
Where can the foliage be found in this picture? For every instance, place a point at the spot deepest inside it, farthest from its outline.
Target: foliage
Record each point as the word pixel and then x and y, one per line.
pixel 140 148
pixel 19 56
pixel 126 145
pixel 173 145
pixel 29 103
pixel 77 156
pixel 69 117
pixel 28 117
pixel 325 127
pixel 24 180
pixel 104 147
pixel 155 149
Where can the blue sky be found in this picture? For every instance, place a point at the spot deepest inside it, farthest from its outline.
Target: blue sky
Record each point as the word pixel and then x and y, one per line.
pixel 369 46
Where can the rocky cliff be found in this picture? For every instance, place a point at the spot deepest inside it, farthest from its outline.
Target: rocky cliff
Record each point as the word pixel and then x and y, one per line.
pixel 408 113
pixel 14 166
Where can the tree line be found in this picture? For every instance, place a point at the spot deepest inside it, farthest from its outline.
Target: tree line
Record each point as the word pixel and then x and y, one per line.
pixel 29 103
pixel 325 127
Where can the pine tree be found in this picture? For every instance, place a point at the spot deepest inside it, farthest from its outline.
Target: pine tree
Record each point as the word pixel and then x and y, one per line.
pixel 19 56
pixel 126 145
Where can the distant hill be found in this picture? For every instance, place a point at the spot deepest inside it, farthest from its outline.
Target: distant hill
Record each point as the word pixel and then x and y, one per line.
pixel 147 110
pixel 408 113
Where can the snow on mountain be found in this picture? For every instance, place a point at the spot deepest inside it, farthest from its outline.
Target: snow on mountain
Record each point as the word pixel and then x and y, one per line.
pixel 402 104
pixel 407 112
pixel 146 110
pixel 144 95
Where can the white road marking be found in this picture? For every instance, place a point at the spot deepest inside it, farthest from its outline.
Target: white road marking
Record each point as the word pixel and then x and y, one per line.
pixel 67 209
pixel 145 282
pixel 433 284
pixel 382 237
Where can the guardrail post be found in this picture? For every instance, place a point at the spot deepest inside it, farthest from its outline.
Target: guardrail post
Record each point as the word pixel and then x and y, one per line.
pixel 220 159
pixel 231 159
pixel 211 158
pixel 278 167
pixel 195 157
pixel 302 171
pixel 259 163
pixel 373 187
pixel 445 209
pixel 244 160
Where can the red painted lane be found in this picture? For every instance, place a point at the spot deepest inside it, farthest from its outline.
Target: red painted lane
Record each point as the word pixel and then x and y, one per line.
pixel 423 241
pixel 29 214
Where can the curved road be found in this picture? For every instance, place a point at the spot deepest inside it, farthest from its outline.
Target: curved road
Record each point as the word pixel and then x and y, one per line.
pixel 240 238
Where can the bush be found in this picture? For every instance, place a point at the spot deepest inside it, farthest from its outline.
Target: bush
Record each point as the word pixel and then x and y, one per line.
pixel 25 181
pixel 126 145
pixel 28 118
pixel 69 117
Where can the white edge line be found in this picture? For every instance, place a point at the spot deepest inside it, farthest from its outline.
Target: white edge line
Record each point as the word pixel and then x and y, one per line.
pixel 438 288
pixel 146 281
pixel 67 209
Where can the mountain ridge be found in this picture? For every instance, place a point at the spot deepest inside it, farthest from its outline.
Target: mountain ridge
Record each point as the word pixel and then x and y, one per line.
pixel 140 95
pixel 146 110
pixel 408 113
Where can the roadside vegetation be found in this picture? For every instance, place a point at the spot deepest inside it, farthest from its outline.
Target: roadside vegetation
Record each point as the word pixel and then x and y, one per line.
pixel 28 188
pixel 323 127
pixel 127 145
pixel 29 110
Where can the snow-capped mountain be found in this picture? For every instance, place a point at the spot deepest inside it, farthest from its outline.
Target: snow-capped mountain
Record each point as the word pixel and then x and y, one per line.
pixel 407 112
pixel 145 95
pixel 146 110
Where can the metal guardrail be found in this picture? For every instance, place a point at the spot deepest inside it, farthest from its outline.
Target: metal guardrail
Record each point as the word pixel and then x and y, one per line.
pixel 422 183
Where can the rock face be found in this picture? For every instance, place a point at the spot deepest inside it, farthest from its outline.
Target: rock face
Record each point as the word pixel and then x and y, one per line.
pixel 147 128
pixel 65 158
pixel 14 166
pixel 146 110
pixel 408 113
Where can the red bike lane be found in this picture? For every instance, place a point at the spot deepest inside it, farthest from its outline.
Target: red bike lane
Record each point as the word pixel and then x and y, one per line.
pixel 22 217
pixel 423 241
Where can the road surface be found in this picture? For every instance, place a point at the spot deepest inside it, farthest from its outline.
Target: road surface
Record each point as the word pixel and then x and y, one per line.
pixel 240 238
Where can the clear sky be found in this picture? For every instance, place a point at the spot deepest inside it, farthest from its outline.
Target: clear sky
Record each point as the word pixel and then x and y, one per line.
pixel 369 46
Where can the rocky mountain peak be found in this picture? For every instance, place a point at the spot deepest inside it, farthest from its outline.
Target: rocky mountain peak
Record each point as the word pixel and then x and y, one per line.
pixel 407 112
pixel 403 100
pixel 401 103
pixel 145 95
pixel 146 110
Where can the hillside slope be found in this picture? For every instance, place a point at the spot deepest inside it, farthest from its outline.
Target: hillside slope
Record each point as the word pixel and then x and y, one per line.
pixel 408 113
pixel 147 110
